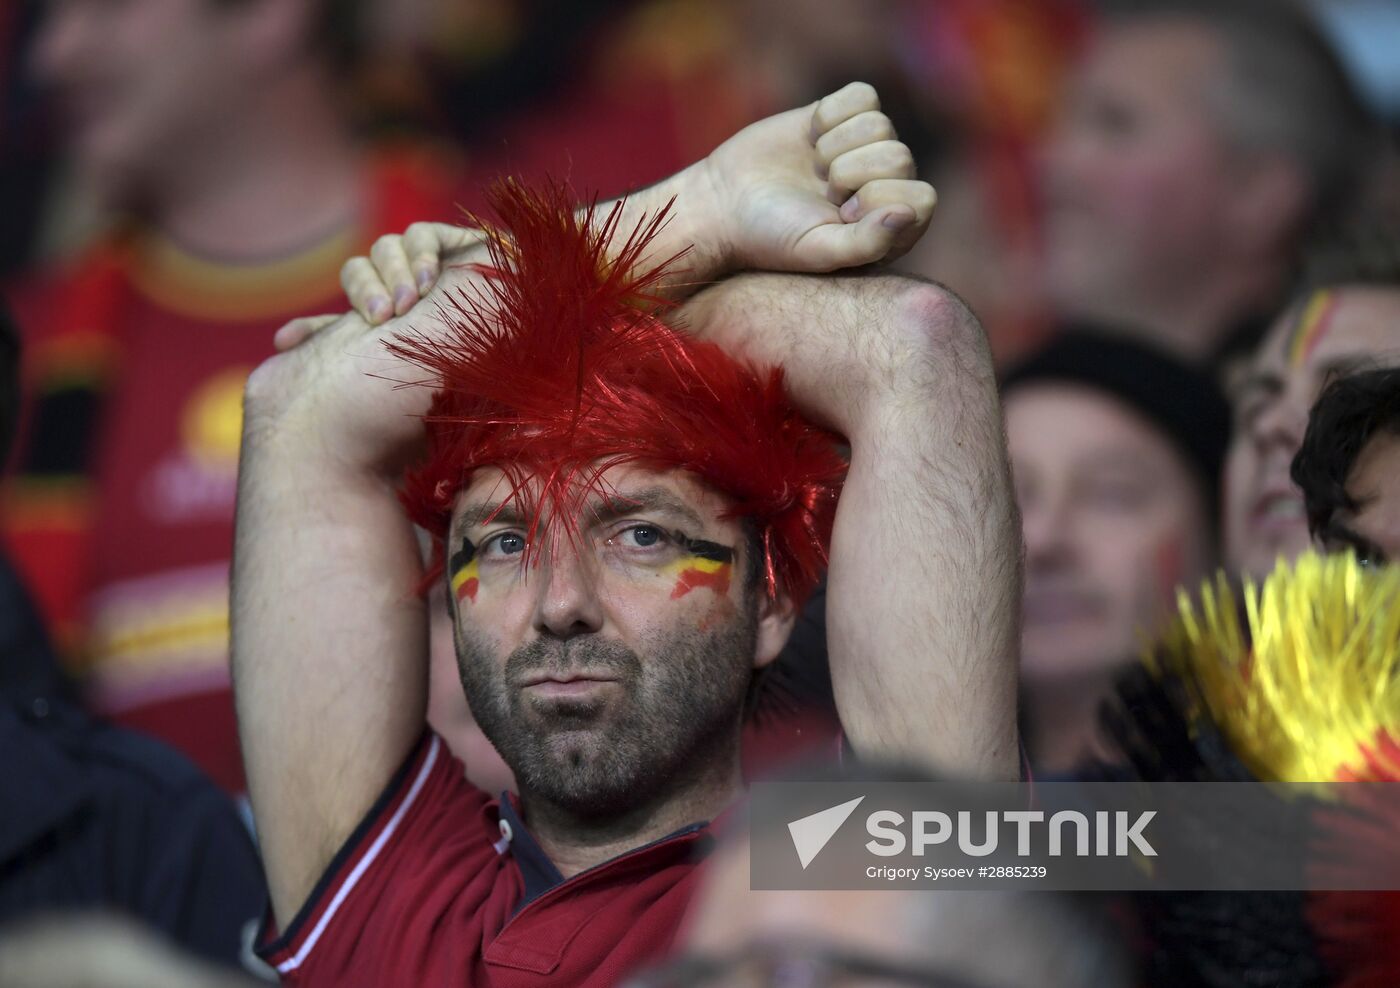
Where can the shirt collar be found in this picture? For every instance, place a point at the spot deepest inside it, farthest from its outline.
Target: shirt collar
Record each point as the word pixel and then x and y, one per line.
pixel 540 874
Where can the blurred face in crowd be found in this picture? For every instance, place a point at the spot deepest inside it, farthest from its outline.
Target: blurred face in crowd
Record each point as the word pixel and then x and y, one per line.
pixel 1372 530
pixel 1137 176
pixel 737 937
pixel 615 663
pixel 138 82
pixel 1114 520
pixel 1328 334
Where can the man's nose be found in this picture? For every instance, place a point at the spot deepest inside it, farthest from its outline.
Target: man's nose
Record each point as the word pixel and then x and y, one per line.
pixel 1281 424
pixel 567 603
pixel 1045 525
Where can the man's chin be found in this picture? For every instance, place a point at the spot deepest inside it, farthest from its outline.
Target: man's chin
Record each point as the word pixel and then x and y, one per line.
pixel 579 771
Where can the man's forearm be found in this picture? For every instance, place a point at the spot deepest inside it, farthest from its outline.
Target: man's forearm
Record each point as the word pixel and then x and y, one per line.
pixel 924 588
pixel 329 639
pixel 329 647
pixel 928 538
pixel 848 344
pixel 693 228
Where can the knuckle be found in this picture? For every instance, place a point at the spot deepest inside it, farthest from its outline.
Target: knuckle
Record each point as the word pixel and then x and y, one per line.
pixel 878 127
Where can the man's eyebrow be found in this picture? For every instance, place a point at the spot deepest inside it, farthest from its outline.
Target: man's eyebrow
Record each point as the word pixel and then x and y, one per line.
pixel 475 515
pixel 1121 458
pixel 619 504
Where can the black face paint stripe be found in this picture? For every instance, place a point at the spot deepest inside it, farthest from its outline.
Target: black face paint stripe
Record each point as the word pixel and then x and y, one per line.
pixel 462 557
pixel 712 551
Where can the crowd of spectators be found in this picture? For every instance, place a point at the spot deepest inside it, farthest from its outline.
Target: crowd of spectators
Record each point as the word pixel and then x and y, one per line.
pixel 1149 333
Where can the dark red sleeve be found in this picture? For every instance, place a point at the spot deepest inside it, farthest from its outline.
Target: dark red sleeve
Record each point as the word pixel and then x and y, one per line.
pixel 419 865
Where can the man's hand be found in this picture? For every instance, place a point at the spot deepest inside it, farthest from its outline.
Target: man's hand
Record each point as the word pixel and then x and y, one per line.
pixel 816 189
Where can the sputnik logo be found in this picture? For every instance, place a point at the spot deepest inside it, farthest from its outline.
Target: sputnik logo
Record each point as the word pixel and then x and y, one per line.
pixel 812 833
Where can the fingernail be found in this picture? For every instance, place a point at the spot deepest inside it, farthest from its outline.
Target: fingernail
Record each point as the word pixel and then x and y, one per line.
pixel 404 297
pixel 897 221
pixel 850 209
pixel 424 278
pixel 378 307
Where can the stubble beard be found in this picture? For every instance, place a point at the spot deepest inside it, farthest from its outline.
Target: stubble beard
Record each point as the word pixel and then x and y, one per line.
pixel 672 715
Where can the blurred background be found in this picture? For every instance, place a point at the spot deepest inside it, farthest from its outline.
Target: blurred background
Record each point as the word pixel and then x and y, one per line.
pixel 1128 192
pixel 179 177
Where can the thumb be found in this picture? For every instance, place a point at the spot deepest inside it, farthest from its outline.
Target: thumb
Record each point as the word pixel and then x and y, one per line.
pixel 847 245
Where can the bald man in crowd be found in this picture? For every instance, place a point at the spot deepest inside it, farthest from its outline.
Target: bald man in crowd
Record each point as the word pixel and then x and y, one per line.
pixel 1200 143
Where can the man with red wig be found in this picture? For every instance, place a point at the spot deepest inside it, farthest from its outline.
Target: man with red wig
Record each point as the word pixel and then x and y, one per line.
pixel 629 499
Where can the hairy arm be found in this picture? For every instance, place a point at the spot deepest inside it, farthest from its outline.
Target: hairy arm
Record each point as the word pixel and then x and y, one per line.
pixel 329 639
pixel 923 603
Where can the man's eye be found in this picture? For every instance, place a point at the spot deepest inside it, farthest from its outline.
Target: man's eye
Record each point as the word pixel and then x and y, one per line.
pixel 1369 556
pixel 1117 496
pixel 1246 413
pixel 642 536
pixel 506 544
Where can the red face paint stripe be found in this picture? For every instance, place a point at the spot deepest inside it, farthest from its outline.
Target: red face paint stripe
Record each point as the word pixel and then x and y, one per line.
pixel 465 582
pixel 693 578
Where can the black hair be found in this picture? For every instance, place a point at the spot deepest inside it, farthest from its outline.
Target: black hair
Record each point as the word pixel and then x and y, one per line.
pixel 1351 411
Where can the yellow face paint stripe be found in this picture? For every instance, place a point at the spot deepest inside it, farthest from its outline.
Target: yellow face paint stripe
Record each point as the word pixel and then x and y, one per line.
pixel 707 566
pixel 466 580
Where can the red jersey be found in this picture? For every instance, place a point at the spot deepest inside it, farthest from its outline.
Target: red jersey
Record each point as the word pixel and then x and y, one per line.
pixel 442 885
pixel 120 514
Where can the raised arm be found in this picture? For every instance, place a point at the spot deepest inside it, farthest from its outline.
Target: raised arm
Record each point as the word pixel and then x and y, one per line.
pixel 819 188
pixel 923 598
pixel 329 637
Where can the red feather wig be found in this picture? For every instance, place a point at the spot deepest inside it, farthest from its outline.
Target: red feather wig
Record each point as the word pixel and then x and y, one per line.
pixel 561 366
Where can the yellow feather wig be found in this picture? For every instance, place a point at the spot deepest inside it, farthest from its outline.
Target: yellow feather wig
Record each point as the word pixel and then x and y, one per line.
pixel 1307 689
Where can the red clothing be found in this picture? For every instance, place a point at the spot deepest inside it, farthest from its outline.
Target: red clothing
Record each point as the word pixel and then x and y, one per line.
pixel 120 515
pixel 441 885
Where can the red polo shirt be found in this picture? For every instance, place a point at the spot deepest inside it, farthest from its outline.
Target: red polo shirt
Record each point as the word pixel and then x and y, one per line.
pixel 442 885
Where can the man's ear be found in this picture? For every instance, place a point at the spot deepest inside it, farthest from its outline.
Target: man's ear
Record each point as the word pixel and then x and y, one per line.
pixel 776 616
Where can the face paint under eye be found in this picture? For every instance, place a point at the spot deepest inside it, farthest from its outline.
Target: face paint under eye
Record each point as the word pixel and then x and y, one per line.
pixel 707 564
pixel 465 572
